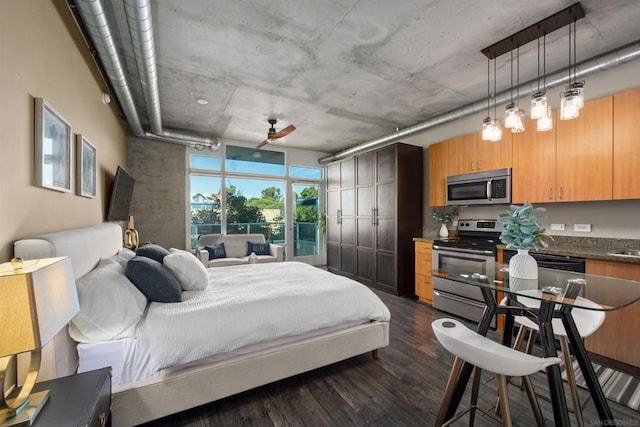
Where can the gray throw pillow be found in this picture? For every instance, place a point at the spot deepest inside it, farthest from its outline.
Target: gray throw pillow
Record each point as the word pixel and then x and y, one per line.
pixel 154 280
pixel 258 248
pixel 153 251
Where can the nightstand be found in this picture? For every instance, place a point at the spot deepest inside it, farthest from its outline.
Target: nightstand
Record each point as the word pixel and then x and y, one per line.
pixel 77 400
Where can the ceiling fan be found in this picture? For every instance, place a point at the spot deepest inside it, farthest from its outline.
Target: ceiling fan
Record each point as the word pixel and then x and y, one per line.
pixel 272 135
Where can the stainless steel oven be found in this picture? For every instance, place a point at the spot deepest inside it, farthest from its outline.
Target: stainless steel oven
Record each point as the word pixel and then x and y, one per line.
pixel 473 251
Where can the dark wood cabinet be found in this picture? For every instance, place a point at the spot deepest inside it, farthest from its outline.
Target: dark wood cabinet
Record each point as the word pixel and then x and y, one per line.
pixel 341 217
pixel 386 196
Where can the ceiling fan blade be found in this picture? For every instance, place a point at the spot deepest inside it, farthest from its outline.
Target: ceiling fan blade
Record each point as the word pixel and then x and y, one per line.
pixel 265 142
pixel 284 132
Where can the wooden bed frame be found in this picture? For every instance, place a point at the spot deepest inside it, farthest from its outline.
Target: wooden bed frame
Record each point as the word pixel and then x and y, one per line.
pixel 191 386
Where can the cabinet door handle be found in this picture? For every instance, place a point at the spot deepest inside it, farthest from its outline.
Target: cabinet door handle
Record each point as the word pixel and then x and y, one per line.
pixel 479 167
pixel 550 193
pixel 339 216
pixel 473 166
pixel 561 193
pixel 375 216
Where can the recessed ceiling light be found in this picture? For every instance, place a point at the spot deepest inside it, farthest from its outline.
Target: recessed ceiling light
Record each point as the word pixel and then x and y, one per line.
pixel 202 101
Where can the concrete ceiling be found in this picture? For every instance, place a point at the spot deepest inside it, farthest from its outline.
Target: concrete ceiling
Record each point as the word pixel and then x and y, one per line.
pixel 344 71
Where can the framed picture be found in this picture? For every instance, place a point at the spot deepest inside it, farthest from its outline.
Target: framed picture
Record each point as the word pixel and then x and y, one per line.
pixel 52 148
pixel 85 167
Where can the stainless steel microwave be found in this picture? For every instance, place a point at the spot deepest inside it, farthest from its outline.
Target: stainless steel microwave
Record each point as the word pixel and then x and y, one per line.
pixel 481 188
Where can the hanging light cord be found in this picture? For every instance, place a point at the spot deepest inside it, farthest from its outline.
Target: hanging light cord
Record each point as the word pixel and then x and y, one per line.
pixel 488 88
pixel 511 93
pixel 575 64
pixel 518 73
pixel 538 64
pixel 569 54
pixel 495 88
pixel 544 61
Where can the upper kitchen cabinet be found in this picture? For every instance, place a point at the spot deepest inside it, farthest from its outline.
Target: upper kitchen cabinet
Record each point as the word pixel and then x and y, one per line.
pixel 533 176
pixel 438 171
pixel 626 145
pixel 469 153
pixel 584 153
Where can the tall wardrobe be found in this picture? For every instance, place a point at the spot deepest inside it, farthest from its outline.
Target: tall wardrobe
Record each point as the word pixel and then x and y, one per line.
pixel 374 210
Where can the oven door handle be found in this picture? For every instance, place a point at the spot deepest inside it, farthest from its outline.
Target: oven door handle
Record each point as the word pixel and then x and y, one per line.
pixel 464 251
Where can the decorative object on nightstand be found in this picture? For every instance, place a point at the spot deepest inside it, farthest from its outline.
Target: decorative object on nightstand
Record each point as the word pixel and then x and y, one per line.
pixel 444 217
pixel 131 238
pixel 43 299
pixel 522 230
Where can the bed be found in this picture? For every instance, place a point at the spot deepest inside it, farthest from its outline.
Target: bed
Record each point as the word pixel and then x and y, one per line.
pixel 165 388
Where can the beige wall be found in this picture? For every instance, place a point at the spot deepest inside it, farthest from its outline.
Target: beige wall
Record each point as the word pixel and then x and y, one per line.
pixel 41 55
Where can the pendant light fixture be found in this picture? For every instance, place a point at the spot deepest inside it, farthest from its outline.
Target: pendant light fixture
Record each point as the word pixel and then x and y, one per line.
pixel 518 124
pixel 491 128
pixel 572 98
pixel 570 102
pixel 539 99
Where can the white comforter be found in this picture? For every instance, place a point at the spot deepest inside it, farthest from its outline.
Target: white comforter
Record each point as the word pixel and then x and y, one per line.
pixel 248 304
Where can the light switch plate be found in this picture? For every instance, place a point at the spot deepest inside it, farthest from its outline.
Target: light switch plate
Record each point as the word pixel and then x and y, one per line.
pixel 582 227
pixel 557 227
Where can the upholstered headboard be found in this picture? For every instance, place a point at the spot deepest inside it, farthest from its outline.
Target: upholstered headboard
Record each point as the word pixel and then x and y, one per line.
pixel 85 247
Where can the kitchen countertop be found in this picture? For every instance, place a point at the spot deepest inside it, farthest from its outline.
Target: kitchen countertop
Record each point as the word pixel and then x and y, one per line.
pixel 583 247
pixel 590 247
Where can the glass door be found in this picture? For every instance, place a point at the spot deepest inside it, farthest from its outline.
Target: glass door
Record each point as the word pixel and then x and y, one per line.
pixel 306 237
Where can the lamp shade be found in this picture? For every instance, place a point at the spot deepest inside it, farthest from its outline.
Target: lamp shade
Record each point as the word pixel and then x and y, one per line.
pixel 36 302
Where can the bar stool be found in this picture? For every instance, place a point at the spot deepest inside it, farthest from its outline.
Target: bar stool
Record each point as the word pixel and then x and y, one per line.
pixel 483 353
pixel 587 322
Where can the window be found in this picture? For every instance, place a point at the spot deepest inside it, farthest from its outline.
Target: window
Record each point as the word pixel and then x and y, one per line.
pixel 305 172
pixel 205 206
pixel 208 163
pixel 249 160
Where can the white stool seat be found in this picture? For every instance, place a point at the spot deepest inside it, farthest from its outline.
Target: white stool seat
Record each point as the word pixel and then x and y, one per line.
pixel 587 321
pixel 487 354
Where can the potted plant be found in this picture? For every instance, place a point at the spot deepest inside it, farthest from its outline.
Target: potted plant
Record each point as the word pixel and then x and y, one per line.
pixel 445 218
pixel 523 231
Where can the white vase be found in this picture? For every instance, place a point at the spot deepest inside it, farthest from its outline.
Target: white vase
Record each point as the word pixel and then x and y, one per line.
pixel 444 231
pixel 523 265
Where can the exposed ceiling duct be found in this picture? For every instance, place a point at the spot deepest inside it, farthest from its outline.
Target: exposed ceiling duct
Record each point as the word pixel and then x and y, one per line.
pixel 94 25
pixel 594 65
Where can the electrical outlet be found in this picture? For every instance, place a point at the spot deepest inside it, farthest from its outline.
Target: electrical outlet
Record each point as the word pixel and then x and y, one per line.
pixel 582 227
pixel 557 227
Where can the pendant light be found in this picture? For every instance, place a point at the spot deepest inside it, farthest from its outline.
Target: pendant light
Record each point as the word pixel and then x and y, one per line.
pixel 491 128
pixel 545 120
pixel 539 99
pixel 570 99
pixel 518 124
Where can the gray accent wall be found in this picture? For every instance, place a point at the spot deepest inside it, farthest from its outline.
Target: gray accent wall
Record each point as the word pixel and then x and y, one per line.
pixel 158 205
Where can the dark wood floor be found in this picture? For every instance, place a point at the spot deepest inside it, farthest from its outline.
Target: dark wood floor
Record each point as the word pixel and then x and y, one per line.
pixel 402 388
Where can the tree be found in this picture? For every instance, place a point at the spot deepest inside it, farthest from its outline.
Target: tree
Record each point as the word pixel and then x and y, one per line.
pixel 307 212
pixel 238 210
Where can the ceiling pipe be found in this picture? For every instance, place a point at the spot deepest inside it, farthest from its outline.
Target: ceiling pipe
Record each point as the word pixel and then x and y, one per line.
pixel 94 22
pixel 591 66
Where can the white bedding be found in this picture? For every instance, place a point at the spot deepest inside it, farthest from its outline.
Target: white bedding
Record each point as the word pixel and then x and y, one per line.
pixel 242 306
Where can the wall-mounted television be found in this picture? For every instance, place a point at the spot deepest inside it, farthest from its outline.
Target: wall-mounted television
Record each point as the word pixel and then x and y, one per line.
pixel 121 195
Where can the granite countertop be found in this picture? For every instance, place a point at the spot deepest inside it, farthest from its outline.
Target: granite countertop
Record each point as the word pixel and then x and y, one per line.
pixel 583 247
pixel 590 247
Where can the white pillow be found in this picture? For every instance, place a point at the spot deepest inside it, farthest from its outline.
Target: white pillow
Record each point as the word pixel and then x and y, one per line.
pixel 109 305
pixel 188 269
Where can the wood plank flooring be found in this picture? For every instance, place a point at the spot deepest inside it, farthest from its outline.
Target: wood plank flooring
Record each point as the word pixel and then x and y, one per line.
pixel 402 388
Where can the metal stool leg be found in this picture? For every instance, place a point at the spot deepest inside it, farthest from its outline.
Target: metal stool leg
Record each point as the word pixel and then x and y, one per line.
pixel 535 406
pixel 571 379
pixel 475 386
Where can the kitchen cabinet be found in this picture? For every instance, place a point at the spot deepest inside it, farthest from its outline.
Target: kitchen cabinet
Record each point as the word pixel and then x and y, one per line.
pixel 572 162
pixel 438 171
pixel 584 153
pixel 626 149
pixel 533 176
pixel 424 280
pixel 341 248
pixel 387 214
pixel 618 338
pixel 469 153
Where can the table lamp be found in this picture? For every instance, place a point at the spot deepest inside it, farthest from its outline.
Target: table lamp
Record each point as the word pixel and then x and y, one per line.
pixel 37 299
